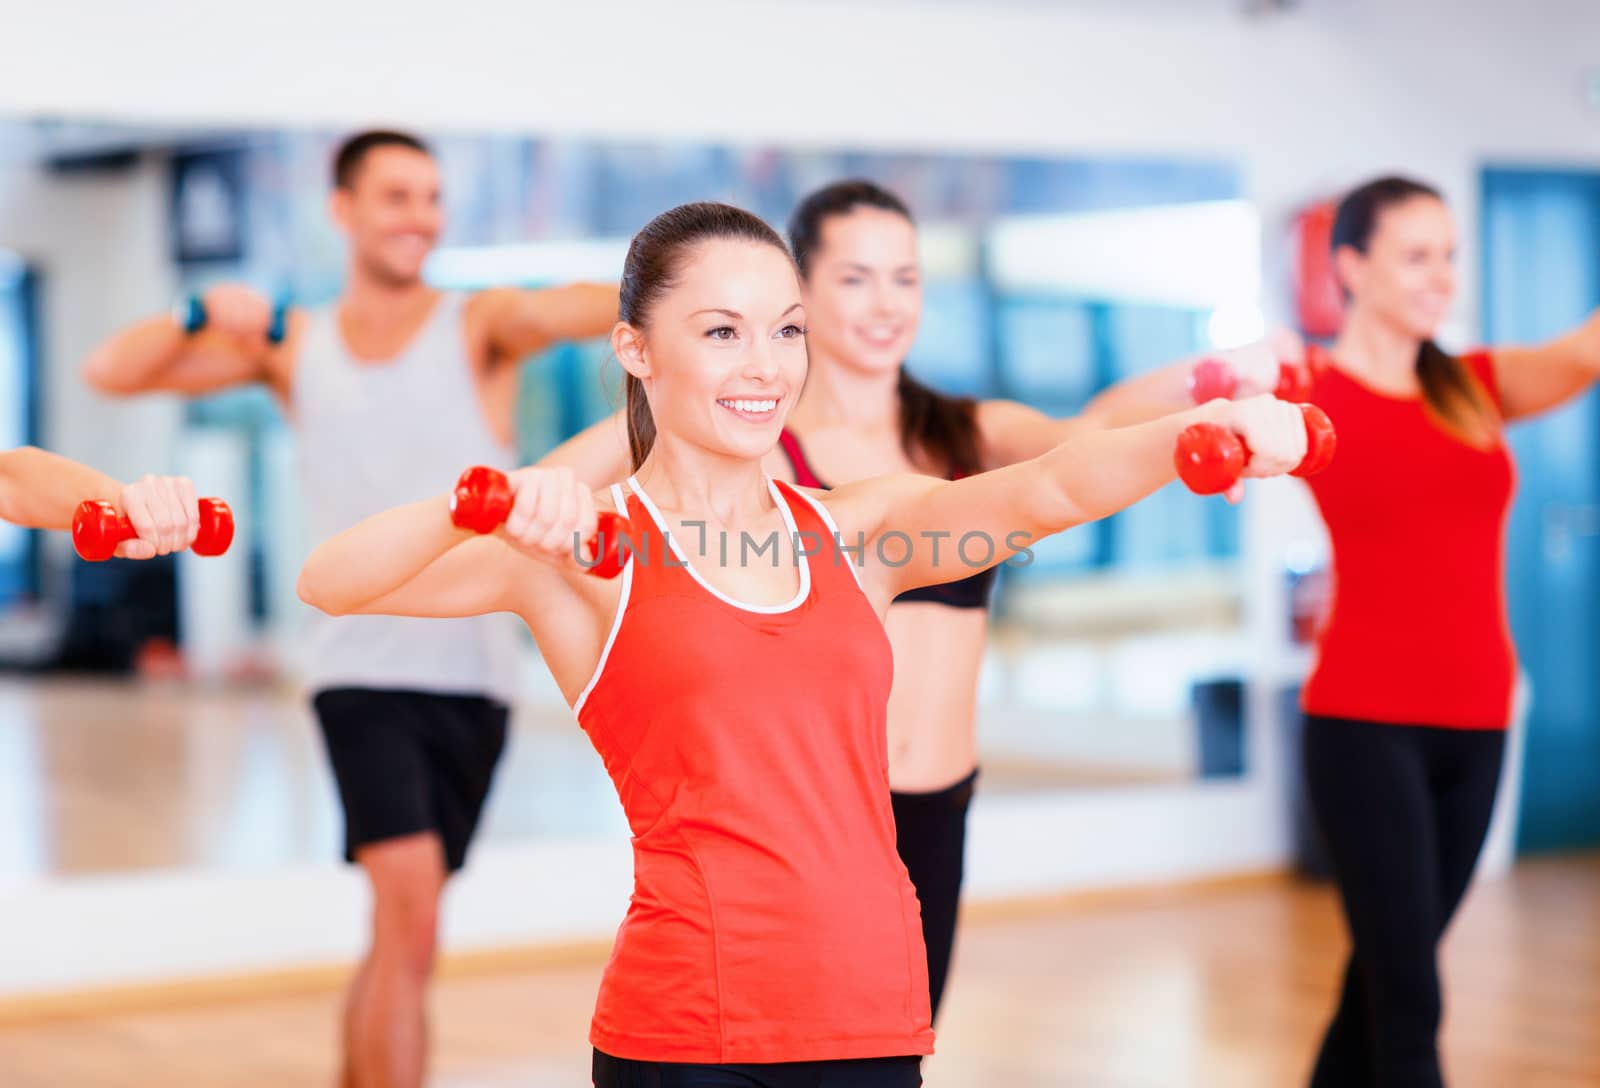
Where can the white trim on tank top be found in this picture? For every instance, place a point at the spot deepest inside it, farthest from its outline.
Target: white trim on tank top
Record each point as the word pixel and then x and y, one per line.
pixel 788 520
pixel 838 550
pixel 616 622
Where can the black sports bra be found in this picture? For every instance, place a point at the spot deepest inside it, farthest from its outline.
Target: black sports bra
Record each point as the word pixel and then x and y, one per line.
pixel 969 592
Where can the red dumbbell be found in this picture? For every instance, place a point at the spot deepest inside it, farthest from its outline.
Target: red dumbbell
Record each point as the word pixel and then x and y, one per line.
pixel 1294 383
pixel 1211 458
pixel 482 501
pixel 1296 380
pixel 1213 378
pixel 98 527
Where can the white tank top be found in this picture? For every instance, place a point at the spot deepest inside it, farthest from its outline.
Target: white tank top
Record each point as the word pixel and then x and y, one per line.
pixel 376 435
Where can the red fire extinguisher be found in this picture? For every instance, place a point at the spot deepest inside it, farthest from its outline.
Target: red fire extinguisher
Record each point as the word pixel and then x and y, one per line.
pixel 1319 301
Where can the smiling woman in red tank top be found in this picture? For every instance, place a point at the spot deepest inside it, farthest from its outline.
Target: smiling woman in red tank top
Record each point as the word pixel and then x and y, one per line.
pixel 862 414
pixel 739 698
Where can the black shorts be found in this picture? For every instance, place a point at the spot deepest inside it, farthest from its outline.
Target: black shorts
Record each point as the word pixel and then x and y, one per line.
pixel 410 761
pixel 612 1072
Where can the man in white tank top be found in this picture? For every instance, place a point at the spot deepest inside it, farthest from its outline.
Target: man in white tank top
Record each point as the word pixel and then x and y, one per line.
pixel 392 390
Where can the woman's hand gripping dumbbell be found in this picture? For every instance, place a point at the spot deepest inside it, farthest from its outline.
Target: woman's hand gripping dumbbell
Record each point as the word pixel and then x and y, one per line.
pixel 1211 457
pixel 484 498
pixel 155 516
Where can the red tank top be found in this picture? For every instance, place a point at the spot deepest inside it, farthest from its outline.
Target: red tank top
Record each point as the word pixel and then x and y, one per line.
pixel 1418 632
pixel 772 919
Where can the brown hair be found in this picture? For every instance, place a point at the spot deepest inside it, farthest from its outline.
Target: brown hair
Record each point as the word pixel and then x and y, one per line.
pixel 932 423
pixel 353 152
pixel 655 258
pixel 1449 387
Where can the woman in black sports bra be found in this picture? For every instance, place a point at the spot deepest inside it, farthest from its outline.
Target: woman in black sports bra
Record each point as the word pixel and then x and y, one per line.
pixel 862 415
pixel 970 592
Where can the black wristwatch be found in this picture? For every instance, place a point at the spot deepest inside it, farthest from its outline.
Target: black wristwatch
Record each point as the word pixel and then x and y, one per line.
pixel 190 314
pixel 278 326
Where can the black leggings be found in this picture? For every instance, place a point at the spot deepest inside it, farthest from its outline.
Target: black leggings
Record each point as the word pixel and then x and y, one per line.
pixel 1403 810
pixel 612 1072
pixel 931 834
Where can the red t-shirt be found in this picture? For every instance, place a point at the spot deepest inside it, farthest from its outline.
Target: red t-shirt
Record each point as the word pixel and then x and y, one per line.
pixel 772 919
pixel 1417 633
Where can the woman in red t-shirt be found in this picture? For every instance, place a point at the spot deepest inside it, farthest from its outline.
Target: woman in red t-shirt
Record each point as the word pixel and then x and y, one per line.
pixel 736 687
pixel 1407 705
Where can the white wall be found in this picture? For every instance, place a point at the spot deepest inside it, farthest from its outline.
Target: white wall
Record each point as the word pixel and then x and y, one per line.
pixel 1305 101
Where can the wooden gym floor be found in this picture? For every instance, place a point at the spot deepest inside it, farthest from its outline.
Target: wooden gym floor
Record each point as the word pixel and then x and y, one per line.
pixel 1225 986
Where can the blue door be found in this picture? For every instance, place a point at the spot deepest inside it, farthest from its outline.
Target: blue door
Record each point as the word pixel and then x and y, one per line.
pixel 1541 245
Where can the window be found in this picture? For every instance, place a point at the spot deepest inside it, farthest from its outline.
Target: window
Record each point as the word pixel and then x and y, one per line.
pixel 19 576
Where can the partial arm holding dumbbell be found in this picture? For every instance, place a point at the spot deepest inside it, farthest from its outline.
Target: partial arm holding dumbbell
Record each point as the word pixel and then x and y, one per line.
pixel 1217 377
